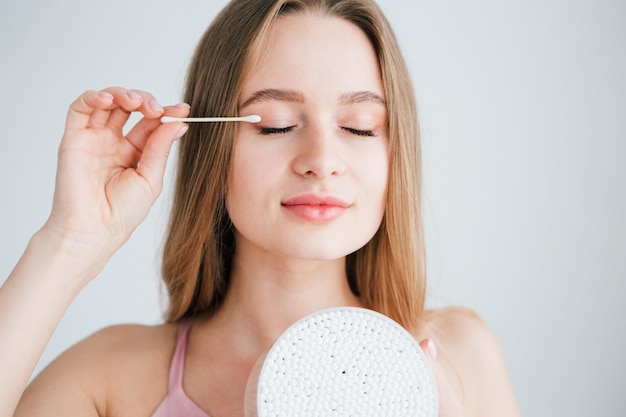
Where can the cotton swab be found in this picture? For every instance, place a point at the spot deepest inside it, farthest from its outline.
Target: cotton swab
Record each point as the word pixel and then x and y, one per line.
pixel 253 118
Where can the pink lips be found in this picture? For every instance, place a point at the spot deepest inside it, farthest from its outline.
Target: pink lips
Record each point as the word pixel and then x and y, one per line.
pixel 315 208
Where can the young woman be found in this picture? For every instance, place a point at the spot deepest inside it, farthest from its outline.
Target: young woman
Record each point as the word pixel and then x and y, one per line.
pixel 316 206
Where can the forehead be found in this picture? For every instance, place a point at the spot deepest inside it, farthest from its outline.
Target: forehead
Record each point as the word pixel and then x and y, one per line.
pixel 317 55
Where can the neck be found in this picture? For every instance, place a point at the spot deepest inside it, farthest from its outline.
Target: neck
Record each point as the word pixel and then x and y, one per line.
pixel 266 296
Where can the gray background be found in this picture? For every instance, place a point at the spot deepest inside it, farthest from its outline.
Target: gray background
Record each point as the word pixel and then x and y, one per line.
pixel 523 111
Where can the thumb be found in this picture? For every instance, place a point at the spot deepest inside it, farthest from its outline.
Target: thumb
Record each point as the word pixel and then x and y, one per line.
pixel 156 151
pixel 449 402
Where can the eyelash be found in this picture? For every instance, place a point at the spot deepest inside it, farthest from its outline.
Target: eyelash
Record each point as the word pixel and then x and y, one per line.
pixel 364 133
pixel 275 130
pixel 282 130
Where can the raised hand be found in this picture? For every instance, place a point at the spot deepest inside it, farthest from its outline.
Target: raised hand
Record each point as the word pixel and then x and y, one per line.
pixel 106 183
pixel 106 180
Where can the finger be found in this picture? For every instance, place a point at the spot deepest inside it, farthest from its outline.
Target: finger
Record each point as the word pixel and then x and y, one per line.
pixel 139 134
pixel 82 109
pixel 94 109
pixel 250 406
pixel 124 103
pixel 449 403
pixel 119 116
pixel 137 100
pixel 134 100
pixel 155 152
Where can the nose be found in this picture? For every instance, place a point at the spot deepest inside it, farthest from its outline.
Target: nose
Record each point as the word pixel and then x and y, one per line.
pixel 319 154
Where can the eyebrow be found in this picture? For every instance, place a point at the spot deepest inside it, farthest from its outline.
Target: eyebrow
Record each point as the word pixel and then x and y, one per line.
pixel 292 96
pixel 269 94
pixel 362 97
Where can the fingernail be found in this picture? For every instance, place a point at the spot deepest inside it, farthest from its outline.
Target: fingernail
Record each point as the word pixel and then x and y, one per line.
pixel 105 95
pixel 181 132
pixel 183 106
pixel 154 105
pixel 133 95
pixel 432 349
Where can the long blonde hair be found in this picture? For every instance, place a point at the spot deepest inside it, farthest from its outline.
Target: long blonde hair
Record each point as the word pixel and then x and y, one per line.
pixel 388 273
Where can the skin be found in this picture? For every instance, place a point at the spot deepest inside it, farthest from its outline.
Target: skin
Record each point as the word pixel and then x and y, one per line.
pixel 277 276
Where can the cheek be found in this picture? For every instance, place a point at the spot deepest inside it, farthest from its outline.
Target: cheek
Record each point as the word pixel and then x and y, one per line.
pixel 374 173
pixel 239 185
pixel 372 182
pixel 253 174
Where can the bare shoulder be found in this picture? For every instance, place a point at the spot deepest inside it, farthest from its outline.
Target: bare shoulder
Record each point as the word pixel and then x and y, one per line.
pixel 458 328
pixel 471 355
pixel 101 370
pixel 128 340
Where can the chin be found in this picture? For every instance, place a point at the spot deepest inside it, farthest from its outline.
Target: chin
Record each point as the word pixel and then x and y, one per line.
pixel 320 251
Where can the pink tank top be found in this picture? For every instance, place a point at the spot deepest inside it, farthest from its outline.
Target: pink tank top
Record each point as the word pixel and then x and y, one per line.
pixel 176 403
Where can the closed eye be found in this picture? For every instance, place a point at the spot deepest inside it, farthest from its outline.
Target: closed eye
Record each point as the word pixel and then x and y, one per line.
pixel 275 130
pixel 364 133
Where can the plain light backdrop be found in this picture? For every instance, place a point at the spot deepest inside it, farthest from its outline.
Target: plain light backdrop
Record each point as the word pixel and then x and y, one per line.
pixel 523 113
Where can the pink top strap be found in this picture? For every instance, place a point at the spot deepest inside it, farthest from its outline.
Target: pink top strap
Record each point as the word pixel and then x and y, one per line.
pixel 177 366
pixel 176 403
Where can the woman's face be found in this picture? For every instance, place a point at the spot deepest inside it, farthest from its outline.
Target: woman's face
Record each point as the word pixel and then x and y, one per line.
pixel 309 181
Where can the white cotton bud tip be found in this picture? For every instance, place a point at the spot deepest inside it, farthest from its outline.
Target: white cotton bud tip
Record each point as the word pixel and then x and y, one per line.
pixel 253 118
